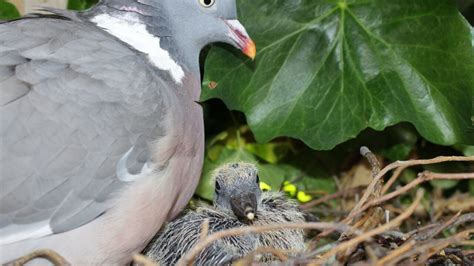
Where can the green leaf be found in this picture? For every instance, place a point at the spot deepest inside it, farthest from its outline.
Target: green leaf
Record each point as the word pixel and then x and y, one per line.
pixel 8 11
pixel 270 152
pixel 272 175
pixel 326 70
pixel 472 35
pixel 80 4
pixel 400 141
pixel 466 150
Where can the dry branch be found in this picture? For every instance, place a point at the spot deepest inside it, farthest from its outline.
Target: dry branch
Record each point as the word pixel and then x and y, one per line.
pixel 46 254
pixel 396 253
pixel 343 193
pixel 393 166
pixel 430 247
pixel 141 260
pixel 422 178
pixel 359 239
pixel 194 252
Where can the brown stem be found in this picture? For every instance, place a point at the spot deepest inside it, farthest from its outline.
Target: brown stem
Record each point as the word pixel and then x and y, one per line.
pixel 188 258
pixel 394 223
pixel 344 193
pixel 392 179
pixel 47 254
pixel 139 259
pixel 395 253
pixel 395 165
pixel 422 177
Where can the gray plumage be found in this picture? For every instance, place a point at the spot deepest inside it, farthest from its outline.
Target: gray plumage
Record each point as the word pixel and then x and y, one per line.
pixel 232 181
pixel 98 119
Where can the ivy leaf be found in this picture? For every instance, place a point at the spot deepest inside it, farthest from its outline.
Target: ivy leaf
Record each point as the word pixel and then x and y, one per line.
pixel 272 175
pixel 80 4
pixel 326 70
pixel 8 10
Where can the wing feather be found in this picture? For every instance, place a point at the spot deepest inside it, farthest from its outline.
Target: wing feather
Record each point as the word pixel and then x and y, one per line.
pixel 73 101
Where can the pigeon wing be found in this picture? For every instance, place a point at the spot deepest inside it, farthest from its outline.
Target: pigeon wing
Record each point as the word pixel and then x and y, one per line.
pixel 74 102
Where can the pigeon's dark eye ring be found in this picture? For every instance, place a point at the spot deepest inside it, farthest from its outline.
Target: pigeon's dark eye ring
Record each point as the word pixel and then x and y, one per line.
pixel 207 3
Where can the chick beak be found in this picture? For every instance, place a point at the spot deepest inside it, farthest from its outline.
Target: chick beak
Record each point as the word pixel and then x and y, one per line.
pixel 244 206
pixel 250 214
pixel 241 38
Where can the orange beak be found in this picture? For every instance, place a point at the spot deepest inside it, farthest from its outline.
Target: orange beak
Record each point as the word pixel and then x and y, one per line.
pixel 250 49
pixel 241 39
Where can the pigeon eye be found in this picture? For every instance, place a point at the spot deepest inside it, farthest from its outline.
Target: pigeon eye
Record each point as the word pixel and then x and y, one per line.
pixel 258 179
pixel 207 3
pixel 218 187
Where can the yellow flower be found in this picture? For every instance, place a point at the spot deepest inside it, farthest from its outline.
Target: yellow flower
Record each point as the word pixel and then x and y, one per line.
pixel 265 187
pixel 289 188
pixel 303 197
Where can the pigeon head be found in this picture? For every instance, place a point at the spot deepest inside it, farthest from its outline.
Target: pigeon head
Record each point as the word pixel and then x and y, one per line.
pixel 173 32
pixel 237 190
pixel 201 22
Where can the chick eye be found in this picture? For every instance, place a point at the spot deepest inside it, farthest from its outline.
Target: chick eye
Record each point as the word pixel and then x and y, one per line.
pixel 207 3
pixel 258 179
pixel 218 187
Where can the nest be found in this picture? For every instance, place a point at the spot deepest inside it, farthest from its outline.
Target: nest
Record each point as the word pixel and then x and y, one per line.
pixel 364 236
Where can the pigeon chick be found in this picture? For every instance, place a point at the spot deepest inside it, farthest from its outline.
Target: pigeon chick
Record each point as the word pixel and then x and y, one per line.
pixel 238 201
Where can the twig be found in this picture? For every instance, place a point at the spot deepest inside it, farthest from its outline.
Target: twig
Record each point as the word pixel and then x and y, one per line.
pixel 465 218
pixel 279 253
pixel 344 193
pixel 392 179
pixel 191 254
pixel 395 253
pixel 370 218
pixel 47 254
pixel 467 243
pixel 394 223
pixel 432 233
pixel 142 260
pixel 422 177
pixel 395 165
pixel 434 246
pixel 372 159
pixel 204 230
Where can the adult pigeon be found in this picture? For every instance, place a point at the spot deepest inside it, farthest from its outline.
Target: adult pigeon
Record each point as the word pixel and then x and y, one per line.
pixel 101 136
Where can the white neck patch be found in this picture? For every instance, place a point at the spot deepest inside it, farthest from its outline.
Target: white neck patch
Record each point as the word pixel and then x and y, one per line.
pixel 129 29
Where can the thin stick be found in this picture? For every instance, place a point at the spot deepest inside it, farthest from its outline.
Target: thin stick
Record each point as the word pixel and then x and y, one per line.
pixel 143 260
pixel 395 165
pixel 392 179
pixel 394 223
pixel 191 254
pixel 433 233
pixel 279 253
pixel 441 244
pixel 422 177
pixel 344 193
pixel 204 230
pixel 372 159
pixel 467 243
pixel 396 253
pixel 432 245
pixel 47 254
